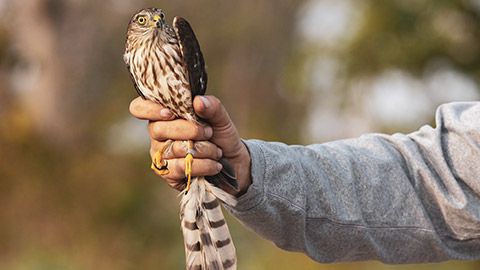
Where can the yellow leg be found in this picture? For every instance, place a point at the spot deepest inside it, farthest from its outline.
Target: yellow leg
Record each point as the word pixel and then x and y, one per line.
pixel 159 165
pixel 188 164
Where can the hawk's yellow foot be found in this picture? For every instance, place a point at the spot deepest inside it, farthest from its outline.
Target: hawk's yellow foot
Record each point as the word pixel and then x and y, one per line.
pixel 188 164
pixel 159 165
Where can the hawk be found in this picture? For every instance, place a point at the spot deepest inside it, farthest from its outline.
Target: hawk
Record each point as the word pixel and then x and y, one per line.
pixel 167 66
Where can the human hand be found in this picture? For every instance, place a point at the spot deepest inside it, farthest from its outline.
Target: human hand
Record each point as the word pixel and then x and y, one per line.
pixel 216 138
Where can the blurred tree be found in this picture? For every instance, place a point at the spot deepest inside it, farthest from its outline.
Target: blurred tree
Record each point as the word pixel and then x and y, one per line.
pixel 411 34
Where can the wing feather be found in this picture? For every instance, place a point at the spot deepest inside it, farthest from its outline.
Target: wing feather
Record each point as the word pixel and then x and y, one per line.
pixel 192 56
pixel 226 175
pixel 195 66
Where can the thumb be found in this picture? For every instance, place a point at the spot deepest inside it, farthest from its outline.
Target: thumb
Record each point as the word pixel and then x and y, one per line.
pixel 211 109
pixel 225 134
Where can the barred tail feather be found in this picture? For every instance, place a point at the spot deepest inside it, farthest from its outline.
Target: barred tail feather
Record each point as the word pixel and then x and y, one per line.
pixel 208 244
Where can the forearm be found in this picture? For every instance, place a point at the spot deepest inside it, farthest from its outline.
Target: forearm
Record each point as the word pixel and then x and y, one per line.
pixel 397 198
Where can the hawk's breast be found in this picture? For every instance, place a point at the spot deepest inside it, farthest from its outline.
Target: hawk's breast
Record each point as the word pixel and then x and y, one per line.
pixel 161 77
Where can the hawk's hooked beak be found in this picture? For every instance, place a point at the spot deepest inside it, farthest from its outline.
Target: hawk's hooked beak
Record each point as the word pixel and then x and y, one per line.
pixel 158 21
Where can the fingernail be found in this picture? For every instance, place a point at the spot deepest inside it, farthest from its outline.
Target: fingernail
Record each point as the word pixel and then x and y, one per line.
pixel 219 153
pixel 208 132
pixel 165 113
pixel 205 102
pixel 219 166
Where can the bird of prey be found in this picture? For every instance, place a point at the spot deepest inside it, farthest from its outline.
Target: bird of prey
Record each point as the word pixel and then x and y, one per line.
pixel 167 67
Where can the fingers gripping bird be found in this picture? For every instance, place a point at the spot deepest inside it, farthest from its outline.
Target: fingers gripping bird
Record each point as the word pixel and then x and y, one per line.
pixel 167 67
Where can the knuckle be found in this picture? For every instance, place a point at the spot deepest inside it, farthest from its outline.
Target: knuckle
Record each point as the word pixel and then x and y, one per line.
pixel 176 149
pixel 213 166
pixel 196 131
pixel 215 100
pixel 155 130
pixel 151 131
pixel 208 150
pixel 178 168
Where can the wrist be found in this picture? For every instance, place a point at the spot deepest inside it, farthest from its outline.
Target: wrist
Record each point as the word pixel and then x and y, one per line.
pixel 242 165
pixel 243 171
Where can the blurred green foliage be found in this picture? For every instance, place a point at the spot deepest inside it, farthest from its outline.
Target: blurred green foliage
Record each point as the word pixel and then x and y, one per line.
pixel 70 199
pixel 410 34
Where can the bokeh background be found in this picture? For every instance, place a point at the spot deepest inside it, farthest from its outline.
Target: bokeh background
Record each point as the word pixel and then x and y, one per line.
pixel 76 191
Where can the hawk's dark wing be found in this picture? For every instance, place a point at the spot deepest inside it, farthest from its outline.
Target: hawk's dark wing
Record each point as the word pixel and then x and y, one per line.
pixel 192 56
pixel 195 65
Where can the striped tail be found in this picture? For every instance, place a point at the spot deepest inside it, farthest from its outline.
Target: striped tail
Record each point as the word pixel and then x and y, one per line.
pixel 208 244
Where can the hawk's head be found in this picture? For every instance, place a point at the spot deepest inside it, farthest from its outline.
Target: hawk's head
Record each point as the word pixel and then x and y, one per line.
pixel 148 23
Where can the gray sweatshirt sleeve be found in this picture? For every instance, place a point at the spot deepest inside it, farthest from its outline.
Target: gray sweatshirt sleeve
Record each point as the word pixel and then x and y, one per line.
pixel 398 199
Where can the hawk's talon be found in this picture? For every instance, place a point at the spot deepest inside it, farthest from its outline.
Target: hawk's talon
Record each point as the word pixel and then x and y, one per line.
pixel 163 168
pixel 159 165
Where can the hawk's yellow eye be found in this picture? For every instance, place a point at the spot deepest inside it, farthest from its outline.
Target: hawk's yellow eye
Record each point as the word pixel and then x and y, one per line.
pixel 142 20
pixel 162 16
